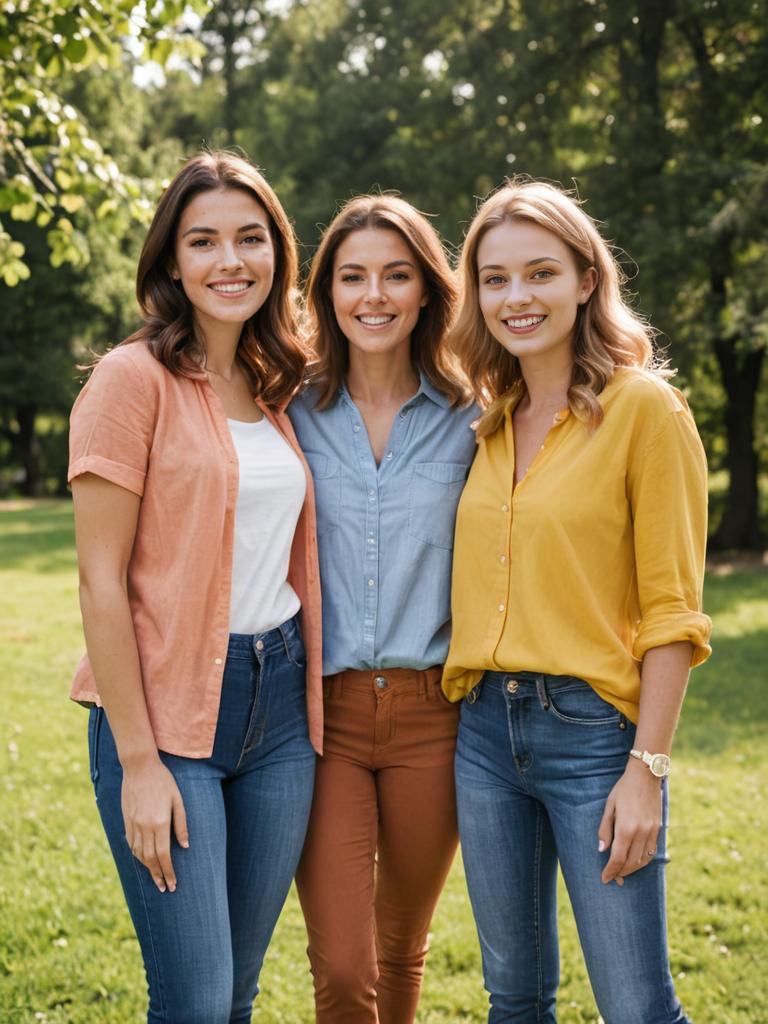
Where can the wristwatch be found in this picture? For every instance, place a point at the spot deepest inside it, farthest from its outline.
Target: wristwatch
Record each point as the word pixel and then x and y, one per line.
pixel 659 764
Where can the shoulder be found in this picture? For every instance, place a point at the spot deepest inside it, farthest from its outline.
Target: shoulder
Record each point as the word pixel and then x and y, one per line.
pixel 132 362
pixel 303 405
pixel 643 391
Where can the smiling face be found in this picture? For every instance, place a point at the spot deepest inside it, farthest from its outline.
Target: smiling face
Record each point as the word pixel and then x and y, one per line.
pixel 530 289
pixel 377 290
pixel 224 257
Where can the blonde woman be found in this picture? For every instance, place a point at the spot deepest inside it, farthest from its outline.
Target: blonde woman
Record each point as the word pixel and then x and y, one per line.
pixel 577 611
pixel 385 426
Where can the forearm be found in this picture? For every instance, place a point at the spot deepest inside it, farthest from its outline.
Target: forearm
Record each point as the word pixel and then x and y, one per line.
pixel 664 679
pixel 113 653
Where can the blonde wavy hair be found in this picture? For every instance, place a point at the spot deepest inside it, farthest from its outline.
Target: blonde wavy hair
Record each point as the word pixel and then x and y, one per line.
pixel 608 334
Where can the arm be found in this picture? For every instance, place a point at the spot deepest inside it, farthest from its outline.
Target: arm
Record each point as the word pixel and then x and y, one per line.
pixel 106 515
pixel 632 816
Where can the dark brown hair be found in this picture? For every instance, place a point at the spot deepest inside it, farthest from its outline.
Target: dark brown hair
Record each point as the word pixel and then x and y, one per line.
pixel 428 349
pixel 270 349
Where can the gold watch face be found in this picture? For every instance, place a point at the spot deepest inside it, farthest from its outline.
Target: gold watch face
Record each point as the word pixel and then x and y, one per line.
pixel 659 765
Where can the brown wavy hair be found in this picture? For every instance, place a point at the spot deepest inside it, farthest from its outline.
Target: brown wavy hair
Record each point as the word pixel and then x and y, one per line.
pixel 608 334
pixel 270 349
pixel 428 349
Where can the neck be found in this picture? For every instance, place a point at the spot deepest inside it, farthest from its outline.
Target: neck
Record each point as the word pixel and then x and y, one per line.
pixel 546 384
pixel 221 349
pixel 381 378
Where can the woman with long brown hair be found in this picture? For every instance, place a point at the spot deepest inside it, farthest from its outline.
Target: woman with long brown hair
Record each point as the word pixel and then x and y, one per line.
pixel 198 587
pixel 577 615
pixel 385 426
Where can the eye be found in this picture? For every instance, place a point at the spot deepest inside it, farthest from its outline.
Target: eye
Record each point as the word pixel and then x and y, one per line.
pixel 494 279
pixel 399 275
pixel 351 278
pixel 542 275
pixel 200 243
pixel 254 239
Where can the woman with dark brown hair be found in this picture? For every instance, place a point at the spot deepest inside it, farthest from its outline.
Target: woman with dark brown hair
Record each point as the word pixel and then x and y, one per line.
pixel 195 536
pixel 385 426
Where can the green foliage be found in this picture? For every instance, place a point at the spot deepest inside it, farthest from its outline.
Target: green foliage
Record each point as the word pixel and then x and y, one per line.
pixel 67 950
pixel 50 164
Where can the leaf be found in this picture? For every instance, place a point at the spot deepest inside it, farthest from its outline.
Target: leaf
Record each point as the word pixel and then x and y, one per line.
pixel 75 50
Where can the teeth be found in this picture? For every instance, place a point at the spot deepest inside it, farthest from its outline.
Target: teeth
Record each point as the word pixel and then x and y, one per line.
pixel 527 321
pixel 231 289
pixel 375 321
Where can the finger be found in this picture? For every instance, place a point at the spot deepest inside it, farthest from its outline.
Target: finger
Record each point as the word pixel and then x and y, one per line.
pixel 605 830
pixel 150 861
pixel 617 860
pixel 180 821
pixel 163 853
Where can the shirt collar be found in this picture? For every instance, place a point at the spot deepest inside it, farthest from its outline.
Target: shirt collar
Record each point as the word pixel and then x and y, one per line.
pixel 426 388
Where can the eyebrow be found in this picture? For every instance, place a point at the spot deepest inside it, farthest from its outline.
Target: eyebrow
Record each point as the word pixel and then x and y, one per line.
pixel 213 231
pixel 387 266
pixel 530 263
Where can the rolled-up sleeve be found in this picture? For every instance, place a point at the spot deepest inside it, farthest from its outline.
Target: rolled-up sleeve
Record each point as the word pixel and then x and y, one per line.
pixel 112 424
pixel 667 488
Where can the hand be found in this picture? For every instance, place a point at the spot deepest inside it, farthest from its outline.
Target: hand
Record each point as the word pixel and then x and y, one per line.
pixel 151 801
pixel 631 822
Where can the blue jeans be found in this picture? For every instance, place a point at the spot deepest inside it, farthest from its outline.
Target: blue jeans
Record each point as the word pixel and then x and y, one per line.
pixel 537 756
pixel 247 809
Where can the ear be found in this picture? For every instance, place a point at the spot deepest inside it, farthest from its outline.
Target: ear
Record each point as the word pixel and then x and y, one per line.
pixel 173 270
pixel 424 301
pixel 588 285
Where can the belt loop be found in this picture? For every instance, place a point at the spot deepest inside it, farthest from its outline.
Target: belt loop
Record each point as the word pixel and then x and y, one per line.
pixel 541 690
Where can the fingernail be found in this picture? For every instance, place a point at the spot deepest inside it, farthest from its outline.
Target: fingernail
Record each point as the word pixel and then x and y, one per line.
pixel 601 847
pixel 160 887
pixel 619 881
pixel 171 887
pixel 185 843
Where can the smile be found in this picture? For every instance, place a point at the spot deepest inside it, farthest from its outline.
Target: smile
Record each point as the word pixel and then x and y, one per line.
pixel 230 287
pixel 376 321
pixel 523 324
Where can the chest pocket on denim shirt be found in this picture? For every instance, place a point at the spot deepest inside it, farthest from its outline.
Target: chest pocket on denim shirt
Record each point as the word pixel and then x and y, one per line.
pixel 434 494
pixel 326 475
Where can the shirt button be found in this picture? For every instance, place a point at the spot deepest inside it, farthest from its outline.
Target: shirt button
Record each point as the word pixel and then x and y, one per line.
pixel 371 492
pixel 389 455
pixel 380 682
pixel 259 645
pixel 505 508
pixel 371 583
pixel 356 427
pixel 370 540
pixel 501 607
pixel 217 661
pixel 502 559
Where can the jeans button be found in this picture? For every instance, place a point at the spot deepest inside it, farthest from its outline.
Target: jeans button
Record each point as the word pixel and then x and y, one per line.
pixel 259 645
pixel 380 682
pixel 512 685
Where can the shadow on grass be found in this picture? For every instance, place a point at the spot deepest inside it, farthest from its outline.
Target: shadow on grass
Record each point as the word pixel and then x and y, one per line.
pixel 38 537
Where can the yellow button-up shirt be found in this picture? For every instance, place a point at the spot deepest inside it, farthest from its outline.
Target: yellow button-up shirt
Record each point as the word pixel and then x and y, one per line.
pixel 595 557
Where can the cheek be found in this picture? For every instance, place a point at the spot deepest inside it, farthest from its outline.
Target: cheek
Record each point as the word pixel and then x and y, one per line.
pixel 487 309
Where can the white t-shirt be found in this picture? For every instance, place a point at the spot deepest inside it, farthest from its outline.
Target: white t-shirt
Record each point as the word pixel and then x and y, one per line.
pixel 269 500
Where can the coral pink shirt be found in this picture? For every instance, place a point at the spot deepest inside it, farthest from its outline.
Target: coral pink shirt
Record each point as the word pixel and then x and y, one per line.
pixel 165 437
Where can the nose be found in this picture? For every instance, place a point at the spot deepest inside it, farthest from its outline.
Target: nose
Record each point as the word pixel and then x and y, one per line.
pixel 373 293
pixel 229 256
pixel 518 293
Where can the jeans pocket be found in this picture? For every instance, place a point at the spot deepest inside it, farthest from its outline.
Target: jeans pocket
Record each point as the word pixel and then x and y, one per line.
pixel 95 718
pixel 432 500
pixel 579 704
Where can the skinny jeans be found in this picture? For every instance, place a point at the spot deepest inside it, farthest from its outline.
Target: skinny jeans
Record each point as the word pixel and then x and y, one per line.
pixel 247 809
pixel 381 840
pixel 536 759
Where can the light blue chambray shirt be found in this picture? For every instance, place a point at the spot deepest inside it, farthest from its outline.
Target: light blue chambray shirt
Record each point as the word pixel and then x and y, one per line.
pixel 385 533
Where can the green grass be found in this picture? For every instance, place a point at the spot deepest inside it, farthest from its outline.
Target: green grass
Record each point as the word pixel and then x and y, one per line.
pixel 67 950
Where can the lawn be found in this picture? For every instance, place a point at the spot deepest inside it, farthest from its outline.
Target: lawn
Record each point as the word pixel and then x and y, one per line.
pixel 67 951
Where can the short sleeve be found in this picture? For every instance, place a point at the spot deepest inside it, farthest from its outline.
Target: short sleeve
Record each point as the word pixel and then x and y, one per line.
pixel 112 424
pixel 667 486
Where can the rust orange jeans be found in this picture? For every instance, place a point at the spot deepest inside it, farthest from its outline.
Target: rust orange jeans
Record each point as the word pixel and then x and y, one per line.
pixel 381 839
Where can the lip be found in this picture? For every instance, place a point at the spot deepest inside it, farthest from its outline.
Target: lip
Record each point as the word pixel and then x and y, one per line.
pixel 243 283
pixel 523 331
pixel 376 327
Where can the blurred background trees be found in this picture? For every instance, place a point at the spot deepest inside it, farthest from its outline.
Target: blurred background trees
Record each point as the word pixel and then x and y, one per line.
pixel 656 111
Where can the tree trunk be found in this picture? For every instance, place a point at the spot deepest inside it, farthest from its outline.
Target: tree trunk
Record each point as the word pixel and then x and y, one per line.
pixel 740 373
pixel 28 448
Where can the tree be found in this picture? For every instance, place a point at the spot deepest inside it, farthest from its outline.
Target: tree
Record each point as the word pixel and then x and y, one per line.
pixel 50 164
